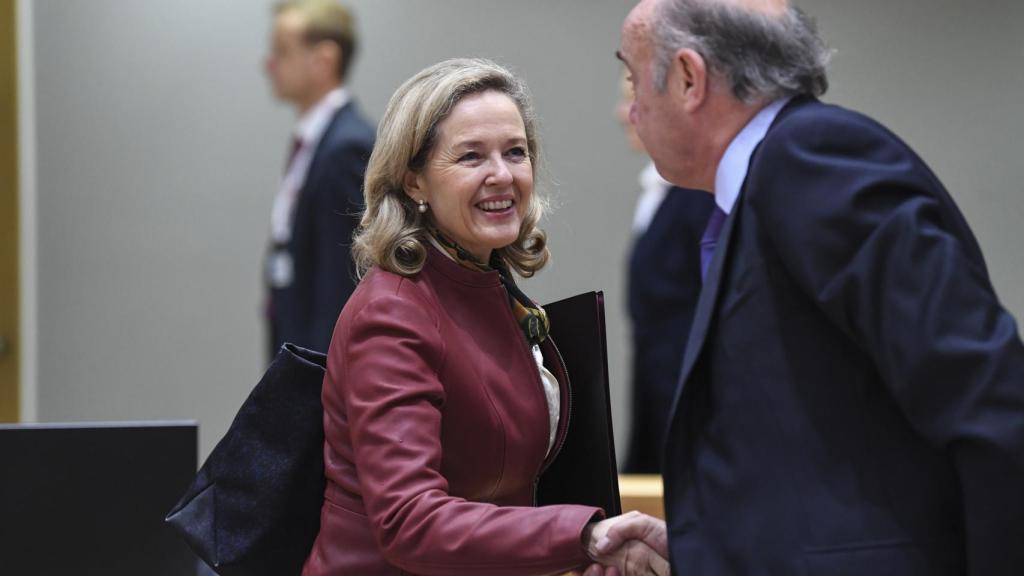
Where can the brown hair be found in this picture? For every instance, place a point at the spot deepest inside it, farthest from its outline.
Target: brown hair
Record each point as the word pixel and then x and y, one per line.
pixel 326 21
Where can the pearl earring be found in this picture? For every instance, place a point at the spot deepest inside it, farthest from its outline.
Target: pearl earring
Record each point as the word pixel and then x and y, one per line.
pixel 422 207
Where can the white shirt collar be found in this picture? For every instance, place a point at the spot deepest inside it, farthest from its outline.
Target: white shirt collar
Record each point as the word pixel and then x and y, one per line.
pixel 732 170
pixel 312 124
pixel 653 189
pixel 651 178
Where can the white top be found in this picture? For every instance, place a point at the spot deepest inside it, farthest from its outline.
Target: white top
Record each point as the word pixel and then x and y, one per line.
pixel 308 132
pixel 653 189
pixel 552 392
pixel 732 170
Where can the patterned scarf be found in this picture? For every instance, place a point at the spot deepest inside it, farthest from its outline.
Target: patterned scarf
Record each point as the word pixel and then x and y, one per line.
pixel 531 317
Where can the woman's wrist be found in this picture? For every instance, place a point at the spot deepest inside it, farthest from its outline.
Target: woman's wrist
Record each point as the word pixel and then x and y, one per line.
pixel 587 540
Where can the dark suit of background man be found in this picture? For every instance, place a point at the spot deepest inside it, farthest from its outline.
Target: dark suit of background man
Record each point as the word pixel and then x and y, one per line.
pixel 852 397
pixel 663 284
pixel 309 270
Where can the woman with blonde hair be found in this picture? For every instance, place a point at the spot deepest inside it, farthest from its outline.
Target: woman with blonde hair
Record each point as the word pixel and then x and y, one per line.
pixel 444 398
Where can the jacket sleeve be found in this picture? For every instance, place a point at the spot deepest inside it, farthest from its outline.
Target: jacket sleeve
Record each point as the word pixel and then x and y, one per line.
pixel 339 205
pixel 394 400
pixel 867 231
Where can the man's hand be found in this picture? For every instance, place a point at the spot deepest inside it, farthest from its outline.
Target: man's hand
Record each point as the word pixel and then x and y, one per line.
pixel 633 543
pixel 633 526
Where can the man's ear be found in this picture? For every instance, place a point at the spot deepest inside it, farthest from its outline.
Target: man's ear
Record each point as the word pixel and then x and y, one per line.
pixel 329 53
pixel 691 78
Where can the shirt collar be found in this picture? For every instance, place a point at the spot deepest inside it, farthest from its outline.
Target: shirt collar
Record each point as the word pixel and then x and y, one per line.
pixel 651 179
pixel 313 123
pixel 653 189
pixel 732 170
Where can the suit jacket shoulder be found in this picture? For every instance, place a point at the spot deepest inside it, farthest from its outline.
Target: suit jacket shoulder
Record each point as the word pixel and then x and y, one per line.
pixel 348 129
pixel 830 166
pixel 810 125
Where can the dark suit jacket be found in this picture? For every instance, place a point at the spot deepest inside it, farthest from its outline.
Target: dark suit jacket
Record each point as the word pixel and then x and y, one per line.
pixel 853 392
pixel 326 215
pixel 663 285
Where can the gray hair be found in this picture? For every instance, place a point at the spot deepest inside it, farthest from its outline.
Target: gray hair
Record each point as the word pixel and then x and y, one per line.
pixel 763 56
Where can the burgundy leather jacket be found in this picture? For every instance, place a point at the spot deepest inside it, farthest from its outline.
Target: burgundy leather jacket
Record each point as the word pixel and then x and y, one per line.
pixel 436 430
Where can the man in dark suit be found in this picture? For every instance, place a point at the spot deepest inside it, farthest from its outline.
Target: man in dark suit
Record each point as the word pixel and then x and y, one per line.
pixel 309 270
pixel 852 395
pixel 663 287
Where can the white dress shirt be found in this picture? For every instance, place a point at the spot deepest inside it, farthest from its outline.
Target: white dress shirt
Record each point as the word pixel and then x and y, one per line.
pixel 653 189
pixel 308 132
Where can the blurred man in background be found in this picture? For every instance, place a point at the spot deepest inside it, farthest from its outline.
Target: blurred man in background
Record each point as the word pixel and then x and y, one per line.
pixel 663 287
pixel 309 271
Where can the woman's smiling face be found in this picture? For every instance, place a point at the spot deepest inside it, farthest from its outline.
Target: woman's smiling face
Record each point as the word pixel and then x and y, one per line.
pixel 479 177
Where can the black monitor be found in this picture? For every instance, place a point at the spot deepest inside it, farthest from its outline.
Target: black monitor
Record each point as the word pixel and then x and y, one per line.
pixel 90 499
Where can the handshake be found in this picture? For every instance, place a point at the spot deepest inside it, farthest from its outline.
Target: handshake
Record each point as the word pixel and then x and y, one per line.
pixel 627 545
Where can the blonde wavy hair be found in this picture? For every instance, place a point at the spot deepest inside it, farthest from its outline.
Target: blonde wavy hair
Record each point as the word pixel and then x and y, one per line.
pixel 392 234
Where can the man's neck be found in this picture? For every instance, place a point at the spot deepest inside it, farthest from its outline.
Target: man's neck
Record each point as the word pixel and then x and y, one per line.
pixel 308 101
pixel 738 117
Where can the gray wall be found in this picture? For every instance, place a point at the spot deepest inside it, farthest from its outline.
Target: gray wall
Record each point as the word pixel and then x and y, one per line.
pixel 159 150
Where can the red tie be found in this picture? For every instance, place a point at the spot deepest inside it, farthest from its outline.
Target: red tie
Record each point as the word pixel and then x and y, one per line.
pixel 296 146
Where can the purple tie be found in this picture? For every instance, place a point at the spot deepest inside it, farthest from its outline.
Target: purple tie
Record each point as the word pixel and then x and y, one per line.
pixel 710 239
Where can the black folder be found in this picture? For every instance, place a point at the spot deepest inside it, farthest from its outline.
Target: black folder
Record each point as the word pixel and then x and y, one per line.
pixel 584 472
